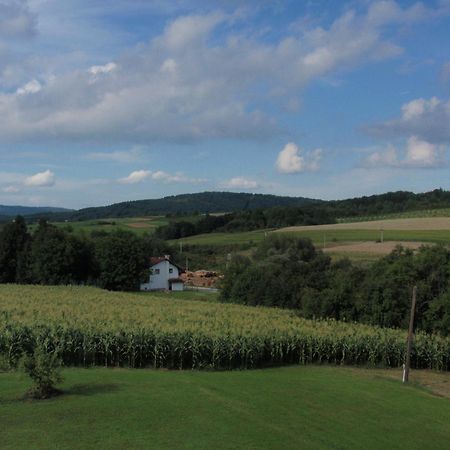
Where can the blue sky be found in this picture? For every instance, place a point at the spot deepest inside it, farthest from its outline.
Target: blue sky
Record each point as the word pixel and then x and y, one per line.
pixel 103 102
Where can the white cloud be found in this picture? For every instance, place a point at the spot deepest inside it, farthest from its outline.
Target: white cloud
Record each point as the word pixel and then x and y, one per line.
pixel 240 183
pixel 138 176
pixel 183 85
pixel 291 160
pixel 417 154
pixel 11 189
pixel 106 68
pixel 41 179
pixel 428 119
pixel 31 87
pixel 421 153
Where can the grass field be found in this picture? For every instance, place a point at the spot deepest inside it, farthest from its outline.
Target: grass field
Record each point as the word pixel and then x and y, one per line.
pixel 441 212
pixel 136 224
pixel 284 408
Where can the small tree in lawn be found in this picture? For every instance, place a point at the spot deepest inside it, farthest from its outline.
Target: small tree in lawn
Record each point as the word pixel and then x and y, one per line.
pixel 44 368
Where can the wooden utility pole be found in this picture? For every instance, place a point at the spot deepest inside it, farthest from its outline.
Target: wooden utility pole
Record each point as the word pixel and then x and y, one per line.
pixel 407 364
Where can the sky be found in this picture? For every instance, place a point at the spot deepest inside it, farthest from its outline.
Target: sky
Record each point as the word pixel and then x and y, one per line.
pixel 102 102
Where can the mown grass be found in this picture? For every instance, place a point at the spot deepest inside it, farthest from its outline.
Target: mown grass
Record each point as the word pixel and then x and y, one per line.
pixel 284 408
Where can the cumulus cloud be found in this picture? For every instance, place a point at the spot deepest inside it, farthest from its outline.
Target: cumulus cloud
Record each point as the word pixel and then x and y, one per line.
pixel 417 154
pixel 41 179
pixel 240 183
pixel 31 87
pixel 291 160
pixel 428 119
pixel 184 85
pixel 106 68
pixel 139 176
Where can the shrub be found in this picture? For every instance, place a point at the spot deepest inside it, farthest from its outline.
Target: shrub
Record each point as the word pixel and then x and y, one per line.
pixel 44 368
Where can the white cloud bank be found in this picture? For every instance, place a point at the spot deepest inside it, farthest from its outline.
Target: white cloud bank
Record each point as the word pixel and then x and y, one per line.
pixel 417 154
pixel 427 119
pixel 291 160
pixel 183 85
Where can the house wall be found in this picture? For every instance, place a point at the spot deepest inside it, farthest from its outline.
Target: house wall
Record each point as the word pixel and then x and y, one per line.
pixel 177 286
pixel 160 280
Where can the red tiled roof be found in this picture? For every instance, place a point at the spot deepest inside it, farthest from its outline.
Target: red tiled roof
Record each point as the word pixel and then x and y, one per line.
pixel 157 259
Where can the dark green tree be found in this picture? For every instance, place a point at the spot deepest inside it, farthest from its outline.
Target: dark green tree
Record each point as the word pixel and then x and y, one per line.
pixel 14 241
pixel 122 261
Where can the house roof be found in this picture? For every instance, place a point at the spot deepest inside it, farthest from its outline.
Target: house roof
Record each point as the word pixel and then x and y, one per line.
pixel 158 259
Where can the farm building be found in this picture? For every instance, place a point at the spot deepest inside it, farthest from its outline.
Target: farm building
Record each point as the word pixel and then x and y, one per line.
pixel 164 275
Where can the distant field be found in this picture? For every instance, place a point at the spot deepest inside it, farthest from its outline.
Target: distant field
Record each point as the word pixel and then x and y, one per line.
pixel 243 238
pixel 413 224
pixel 136 224
pixel 443 212
pixel 283 408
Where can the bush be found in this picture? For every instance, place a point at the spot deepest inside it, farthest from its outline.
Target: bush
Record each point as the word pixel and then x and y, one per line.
pixel 44 368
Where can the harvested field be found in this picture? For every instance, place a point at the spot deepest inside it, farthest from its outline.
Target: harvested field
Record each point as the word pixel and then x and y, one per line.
pixel 374 248
pixel 413 224
pixel 140 225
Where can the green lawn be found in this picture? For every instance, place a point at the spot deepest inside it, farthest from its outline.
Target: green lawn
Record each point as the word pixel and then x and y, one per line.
pixel 285 408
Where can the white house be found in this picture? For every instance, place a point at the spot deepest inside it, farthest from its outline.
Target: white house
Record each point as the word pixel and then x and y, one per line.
pixel 164 275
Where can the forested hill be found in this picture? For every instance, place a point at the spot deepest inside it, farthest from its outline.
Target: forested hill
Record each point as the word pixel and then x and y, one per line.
pixel 203 202
pixel 9 211
pixel 214 202
pixel 391 202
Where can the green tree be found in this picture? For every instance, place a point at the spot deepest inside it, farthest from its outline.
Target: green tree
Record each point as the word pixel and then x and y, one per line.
pixel 14 240
pixel 122 261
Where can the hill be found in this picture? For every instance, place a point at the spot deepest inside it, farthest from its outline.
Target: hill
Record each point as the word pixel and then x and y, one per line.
pixel 15 210
pixel 203 202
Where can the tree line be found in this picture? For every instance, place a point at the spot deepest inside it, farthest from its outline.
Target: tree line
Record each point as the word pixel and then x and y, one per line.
pixel 248 220
pixel 289 272
pixel 51 255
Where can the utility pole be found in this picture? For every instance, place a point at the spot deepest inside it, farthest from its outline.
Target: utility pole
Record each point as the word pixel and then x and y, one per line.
pixel 381 235
pixel 407 364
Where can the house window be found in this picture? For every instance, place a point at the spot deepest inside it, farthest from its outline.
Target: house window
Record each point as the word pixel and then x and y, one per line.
pixel 156 271
pixel 171 270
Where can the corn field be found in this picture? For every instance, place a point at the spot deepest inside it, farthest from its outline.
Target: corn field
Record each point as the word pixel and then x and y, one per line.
pixel 91 327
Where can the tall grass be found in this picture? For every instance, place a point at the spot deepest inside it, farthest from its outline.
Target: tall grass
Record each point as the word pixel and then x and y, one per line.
pixel 94 327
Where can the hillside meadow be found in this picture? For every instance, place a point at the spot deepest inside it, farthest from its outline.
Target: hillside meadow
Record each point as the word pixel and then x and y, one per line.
pixel 92 327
